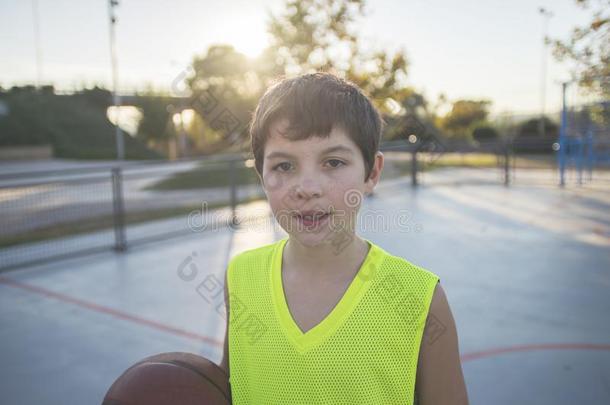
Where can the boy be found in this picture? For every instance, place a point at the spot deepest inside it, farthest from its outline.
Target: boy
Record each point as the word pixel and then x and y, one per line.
pixel 324 316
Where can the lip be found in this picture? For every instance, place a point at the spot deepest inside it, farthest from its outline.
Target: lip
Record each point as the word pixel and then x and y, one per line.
pixel 311 213
pixel 312 224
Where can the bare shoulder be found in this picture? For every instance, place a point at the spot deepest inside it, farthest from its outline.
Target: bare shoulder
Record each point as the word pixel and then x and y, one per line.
pixel 439 362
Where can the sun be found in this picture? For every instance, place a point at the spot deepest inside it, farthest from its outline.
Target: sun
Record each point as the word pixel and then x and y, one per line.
pixel 251 47
pixel 250 40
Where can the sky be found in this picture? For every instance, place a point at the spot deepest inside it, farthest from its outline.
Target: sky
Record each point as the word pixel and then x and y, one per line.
pixel 485 49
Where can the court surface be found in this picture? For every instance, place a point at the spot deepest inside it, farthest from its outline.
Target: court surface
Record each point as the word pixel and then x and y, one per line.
pixel 526 270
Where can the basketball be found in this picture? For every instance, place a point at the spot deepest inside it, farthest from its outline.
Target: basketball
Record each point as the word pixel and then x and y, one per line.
pixel 171 378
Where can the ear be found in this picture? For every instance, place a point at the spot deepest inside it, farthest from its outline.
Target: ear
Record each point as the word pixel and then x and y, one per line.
pixel 375 173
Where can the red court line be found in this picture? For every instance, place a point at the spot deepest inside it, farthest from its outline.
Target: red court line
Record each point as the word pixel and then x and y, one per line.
pixel 110 311
pixel 180 332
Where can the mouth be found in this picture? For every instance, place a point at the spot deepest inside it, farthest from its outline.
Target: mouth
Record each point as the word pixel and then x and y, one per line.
pixel 312 220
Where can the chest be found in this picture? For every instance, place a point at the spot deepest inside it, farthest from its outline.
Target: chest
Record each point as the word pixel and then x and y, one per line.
pixel 310 302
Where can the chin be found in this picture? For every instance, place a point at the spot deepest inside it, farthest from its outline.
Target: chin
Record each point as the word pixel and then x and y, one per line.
pixel 309 239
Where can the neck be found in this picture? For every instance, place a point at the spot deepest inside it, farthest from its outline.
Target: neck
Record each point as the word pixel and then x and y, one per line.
pixel 317 260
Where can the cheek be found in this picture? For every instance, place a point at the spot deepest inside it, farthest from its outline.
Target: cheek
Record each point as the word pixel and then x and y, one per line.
pixel 346 196
pixel 275 187
pixel 272 181
pixel 345 180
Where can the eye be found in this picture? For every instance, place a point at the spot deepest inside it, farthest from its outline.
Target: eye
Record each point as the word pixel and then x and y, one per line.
pixel 275 168
pixel 338 163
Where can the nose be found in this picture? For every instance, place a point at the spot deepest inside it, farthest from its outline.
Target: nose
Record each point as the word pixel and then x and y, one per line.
pixel 308 188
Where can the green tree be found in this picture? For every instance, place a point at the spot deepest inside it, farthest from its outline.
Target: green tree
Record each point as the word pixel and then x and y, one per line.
pixel 321 35
pixel 484 133
pixel 309 35
pixel 76 125
pixel 306 36
pixel 463 117
pixel 589 50
pixel 154 126
pixel 529 140
pixel 225 86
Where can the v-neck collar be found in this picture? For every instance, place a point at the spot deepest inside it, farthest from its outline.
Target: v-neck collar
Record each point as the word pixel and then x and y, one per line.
pixel 303 341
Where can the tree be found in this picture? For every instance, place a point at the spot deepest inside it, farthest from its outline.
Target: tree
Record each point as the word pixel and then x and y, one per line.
pixel 76 125
pixel 310 35
pixel 307 36
pixel 529 140
pixel 464 115
pixel 589 49
pixel 320 35
pixel 529 129
pixel 225 86
pixel 154 126
pixel 484 133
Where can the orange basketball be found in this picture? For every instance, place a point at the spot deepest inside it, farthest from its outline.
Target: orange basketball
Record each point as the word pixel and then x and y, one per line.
pixel 171 378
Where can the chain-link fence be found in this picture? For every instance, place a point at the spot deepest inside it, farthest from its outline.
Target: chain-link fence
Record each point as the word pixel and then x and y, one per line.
pixel 65 213
pixel 570 147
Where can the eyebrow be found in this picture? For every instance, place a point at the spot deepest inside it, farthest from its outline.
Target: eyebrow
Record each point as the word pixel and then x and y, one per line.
pixel 337 148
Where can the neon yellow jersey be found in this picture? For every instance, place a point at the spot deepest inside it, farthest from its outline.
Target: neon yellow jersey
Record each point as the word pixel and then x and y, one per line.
pixel 364 352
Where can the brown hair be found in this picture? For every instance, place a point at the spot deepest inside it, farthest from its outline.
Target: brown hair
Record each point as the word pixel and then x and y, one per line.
pixel 313 103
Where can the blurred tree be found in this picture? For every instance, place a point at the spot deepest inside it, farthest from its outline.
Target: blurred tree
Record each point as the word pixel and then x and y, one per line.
pixel 97 96
pixel 307 36
pixel 528 129
pixel 154 126
pixel 529 140
pixel 463 117
pixel 75 125
pixel 221 70
pixel 589 50
pixel 320 35
pixel 484 132
pixel 225 87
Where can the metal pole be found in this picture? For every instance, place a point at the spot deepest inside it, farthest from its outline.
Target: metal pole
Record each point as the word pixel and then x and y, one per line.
pixel 579 158
pixel 506 163
pixel 414 166
pixel 546 15
pixel 590 151
pixel 36 21
pixel 562 136
pixel 118 209
pixel 233 181
pixel 115 80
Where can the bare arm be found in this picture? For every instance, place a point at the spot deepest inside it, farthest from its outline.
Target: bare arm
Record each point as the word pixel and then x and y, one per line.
pixel 224 363
pixel 440 380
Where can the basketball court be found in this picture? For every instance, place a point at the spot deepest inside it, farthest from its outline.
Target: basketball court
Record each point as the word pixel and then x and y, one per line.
pixel 526 270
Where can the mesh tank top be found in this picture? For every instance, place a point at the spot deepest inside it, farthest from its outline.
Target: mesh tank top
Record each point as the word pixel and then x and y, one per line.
pixel 364 351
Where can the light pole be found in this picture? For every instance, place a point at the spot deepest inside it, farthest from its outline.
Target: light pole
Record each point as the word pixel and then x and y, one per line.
pixel 36 20
pixel 115 80
pixel 546 15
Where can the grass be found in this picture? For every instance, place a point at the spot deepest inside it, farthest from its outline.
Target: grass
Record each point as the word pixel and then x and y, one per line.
pixel 206 177
pixel 474 160
pixel 480 160
pixel 465 160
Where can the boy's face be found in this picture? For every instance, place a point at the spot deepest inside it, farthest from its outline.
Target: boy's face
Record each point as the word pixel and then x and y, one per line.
pixel 304 176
